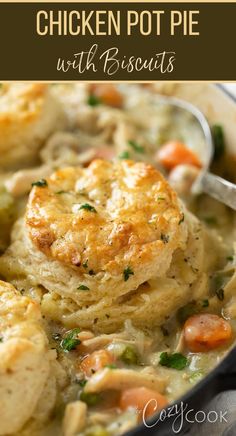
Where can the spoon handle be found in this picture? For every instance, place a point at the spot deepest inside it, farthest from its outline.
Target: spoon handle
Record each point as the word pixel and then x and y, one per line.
pixel 220 189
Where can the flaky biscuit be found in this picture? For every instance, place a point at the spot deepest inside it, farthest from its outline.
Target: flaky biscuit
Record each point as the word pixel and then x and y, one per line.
pixel 28 114
pixel 111 227
pixel 24 358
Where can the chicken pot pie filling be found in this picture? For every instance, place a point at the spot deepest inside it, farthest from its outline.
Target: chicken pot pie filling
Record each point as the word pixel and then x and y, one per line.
pixel 118 285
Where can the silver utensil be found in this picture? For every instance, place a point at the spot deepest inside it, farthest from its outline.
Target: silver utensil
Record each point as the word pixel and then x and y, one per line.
pixel 213 185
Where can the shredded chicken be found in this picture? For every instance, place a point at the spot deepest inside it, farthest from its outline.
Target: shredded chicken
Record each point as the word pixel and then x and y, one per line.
pixel 120 379
pixel 74 418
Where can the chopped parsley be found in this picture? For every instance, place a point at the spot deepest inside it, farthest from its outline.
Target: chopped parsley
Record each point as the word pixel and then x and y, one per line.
pixel 164 238
pixel 124 155
pixel 127 273
pixel 82 383
pixel 220 294
pixel 205 303
pixel 88 207
pixel 91 399
pixel 83 288
pixel 1 339
pixel 175 360
pixel 129 356
pixel 136 147
pixel 40 183
pixel 230 258
pixel 70 341
pixel 218 140
pixel 93 100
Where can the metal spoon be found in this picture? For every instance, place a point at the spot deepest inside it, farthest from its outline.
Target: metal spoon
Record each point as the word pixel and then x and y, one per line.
pixel 213 185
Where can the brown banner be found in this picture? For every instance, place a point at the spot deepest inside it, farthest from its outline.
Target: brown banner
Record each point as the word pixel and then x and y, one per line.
pixel 118 41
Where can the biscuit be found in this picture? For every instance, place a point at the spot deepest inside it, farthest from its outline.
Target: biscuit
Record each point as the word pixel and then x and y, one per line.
pixel 28 114
pixel 24 358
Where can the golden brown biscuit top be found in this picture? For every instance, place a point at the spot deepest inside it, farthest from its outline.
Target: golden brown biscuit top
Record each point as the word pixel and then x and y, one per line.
pixel 106 217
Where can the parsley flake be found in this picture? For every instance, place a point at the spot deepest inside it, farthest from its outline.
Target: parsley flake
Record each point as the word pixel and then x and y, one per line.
pixel 70 340
pixel 40 183
pixel 124 155
pixel 88 207
pixel 136 147
pixel 83 288
pixel 82 383
pixel 181 220
pixel 93 100
pixel 175 360
pixel 127 272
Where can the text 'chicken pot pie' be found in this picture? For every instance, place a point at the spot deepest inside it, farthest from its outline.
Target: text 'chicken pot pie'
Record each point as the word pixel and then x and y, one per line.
pixel 120 285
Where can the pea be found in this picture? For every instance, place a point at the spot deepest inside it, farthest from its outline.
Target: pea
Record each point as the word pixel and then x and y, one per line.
pixel 91 399
pixel 129 356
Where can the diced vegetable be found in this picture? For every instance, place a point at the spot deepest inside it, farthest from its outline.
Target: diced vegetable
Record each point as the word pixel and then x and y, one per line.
pixel 204 332
pixel 91 399
pixel 107 94
pixel 129 356
pixel 144 400
pixel 175 153
pixel 95 361
pixel 175 360
pixel 218 140
pixel 70 341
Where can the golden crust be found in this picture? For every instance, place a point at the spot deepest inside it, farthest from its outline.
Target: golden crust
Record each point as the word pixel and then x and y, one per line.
pixel 134 221
pixel 28 114
pixel 24 358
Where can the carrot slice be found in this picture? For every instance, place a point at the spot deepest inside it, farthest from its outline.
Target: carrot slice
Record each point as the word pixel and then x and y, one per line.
pixel 175 153
pixel 204 332
pixel 108 94
pixel 145 401
pixel 95 361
